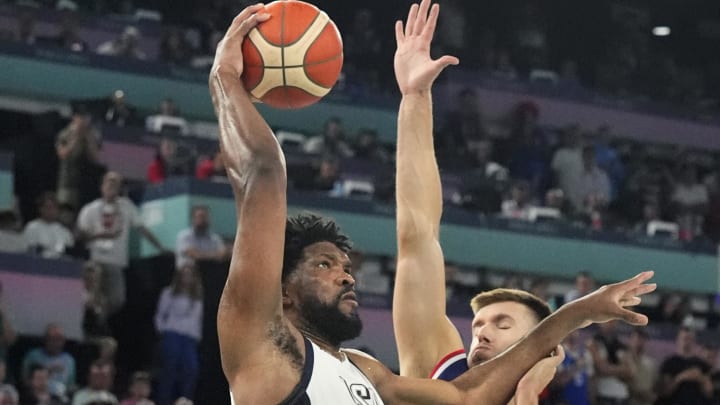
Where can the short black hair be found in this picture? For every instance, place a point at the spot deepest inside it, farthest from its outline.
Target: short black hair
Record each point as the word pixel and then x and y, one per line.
pixel 305 229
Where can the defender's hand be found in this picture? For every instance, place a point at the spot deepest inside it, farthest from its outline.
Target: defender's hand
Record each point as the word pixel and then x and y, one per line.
pixel 611 301
pixel 415 71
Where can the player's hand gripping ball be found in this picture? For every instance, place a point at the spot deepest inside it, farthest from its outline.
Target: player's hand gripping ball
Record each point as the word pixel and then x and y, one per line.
pixel 294 58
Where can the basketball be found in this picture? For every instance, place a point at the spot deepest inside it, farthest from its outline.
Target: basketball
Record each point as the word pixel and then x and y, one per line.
pixel 293 59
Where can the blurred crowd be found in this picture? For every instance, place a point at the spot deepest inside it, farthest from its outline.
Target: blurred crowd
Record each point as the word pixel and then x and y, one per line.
pixel 510 168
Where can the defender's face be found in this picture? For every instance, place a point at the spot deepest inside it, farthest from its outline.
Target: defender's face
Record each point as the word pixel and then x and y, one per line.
pixel 496 327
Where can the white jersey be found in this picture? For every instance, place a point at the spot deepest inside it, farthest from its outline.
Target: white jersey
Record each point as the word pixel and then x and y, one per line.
pixel 325 380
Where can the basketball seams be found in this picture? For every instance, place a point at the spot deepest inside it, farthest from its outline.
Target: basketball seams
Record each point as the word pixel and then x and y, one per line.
pixel 302 35
pixel 297 66
pixel 282 53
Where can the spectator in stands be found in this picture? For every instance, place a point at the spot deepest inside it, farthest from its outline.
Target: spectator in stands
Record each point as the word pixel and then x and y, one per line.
pixel 708 351
pixel 690 199
pixel 126 45
pixel 166 162
pixel 504 68
pixel 555 198
pixel 574 376
pixel 139 390
pixel 7 331
pixel 711 223
pixel 11 239
pixel 174 48
pixel 77 148
pixel 651 212
pixel 328 175
pixel 612 367
pixel 684 377
pixel 330 142
pixel 99 386
pixel 94 321
pixel 567 162
pixel 642 387
pixel 45 235
pixel 104 225
pixel 199 242
pixel 212 168
pixel 520 202
pixel 462 125
pixel 178 320
pixel 528 149
pixel 584 285
pixel 673 308
pixel 26 29
pixel 590 190
pixel 368 147
pixel 482 164
pixel 608 159
pixel 57 363
pixel 37 388
pixel 119 111
pixel 9 395
pixel 486 180
pixel 69 37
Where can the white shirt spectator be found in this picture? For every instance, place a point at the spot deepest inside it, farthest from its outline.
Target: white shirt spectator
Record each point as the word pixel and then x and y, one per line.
pixel 567 164
pixel 208 243
pixel 51 237
pixel 117 217
pixel 179 313
pixel 589 183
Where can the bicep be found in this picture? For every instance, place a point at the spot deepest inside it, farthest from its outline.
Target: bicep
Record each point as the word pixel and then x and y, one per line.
pixel 423 332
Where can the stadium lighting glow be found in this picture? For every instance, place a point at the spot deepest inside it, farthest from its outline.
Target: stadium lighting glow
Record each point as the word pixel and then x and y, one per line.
pixel 661 31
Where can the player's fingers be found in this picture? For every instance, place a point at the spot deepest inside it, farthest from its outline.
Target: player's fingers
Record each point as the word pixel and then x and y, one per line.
pixel 412 16
pixel 247 12
pixel 421 17
pixel 429 28
pixel 446 60
pixel 251 22
pixel 638 279
pixel 642 289
pixel 399 34
pixel 633 318
pixel 630 301
pixel 559 354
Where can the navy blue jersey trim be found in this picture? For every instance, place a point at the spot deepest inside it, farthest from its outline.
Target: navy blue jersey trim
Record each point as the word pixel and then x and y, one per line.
pixel 299 395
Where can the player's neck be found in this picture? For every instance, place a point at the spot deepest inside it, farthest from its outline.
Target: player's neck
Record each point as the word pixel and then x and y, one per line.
pixel 323 343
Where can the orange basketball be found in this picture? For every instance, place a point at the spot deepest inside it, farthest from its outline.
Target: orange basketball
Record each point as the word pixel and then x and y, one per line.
pixel 293 59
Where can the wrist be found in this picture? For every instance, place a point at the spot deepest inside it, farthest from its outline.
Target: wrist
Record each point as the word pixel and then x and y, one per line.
pixel 574 314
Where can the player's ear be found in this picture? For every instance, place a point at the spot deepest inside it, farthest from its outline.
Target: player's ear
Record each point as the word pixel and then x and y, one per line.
pixel 286 300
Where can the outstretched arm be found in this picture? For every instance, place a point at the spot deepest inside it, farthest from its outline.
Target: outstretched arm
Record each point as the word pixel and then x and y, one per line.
pixel 256 170
pixel 494 382
pixel 423 332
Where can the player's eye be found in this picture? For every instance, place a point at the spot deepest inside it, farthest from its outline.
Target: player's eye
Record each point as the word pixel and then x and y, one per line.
pixel 324 265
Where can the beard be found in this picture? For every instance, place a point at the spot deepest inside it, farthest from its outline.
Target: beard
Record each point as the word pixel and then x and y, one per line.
pixel 327 322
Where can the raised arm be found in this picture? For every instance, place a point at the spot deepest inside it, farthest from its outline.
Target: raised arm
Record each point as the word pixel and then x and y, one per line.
pixel 251 300
pixel 423 332
pixel 494 382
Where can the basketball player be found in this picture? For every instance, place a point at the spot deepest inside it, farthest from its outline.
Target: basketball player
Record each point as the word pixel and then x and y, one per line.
pixel 428 343
pixel 289 299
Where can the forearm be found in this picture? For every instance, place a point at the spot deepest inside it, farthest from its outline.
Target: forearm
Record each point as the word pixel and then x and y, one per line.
pixel 246 141
pixel 494 381
pixel 419 193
